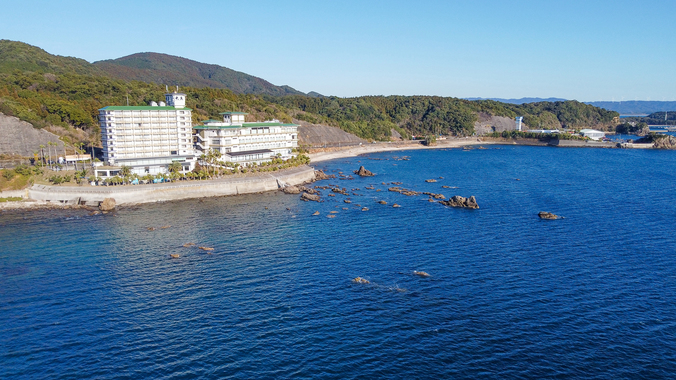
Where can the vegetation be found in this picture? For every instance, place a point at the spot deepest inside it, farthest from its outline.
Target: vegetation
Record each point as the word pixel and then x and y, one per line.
pixel 534 135
pixel 64 92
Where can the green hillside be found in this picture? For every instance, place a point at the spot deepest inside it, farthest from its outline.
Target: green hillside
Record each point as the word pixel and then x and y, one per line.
pixel 172 70
pixel 16 55
pixel 64 95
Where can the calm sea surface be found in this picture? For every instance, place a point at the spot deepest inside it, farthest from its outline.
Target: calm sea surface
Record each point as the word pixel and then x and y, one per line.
pixel 510 296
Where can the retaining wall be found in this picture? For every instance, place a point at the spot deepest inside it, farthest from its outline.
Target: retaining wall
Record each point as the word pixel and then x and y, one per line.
pixel 92 195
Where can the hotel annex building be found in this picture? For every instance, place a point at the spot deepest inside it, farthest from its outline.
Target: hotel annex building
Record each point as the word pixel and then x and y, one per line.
pixel 150 138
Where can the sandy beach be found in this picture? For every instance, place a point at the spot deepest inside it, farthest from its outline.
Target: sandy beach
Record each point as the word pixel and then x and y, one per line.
pixel 333 153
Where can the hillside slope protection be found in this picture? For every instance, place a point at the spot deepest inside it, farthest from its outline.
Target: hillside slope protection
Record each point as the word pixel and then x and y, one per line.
pixel 316 135
pixel 16 55
pixel 20 138
pixel 173 70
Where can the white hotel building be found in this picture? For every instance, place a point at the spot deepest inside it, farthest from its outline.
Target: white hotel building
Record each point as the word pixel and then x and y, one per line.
pixel 147 138
pixel 244 143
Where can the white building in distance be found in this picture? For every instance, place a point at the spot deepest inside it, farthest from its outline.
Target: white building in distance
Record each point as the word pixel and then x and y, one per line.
pixel 147 138
pixel 244 143
pixel 592 134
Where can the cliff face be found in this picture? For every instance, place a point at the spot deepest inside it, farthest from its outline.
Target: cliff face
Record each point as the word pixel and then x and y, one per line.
pixel 666 142
pixel 20 138
pixel 487 123
pixel 316 135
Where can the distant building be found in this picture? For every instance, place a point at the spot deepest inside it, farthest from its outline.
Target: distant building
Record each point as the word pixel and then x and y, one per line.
pixel 244 143
pixel 543 131
pixel 148 138
pixel 592 134
pixel 518 121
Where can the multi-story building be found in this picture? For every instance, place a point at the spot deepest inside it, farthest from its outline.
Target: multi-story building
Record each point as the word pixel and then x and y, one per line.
pixel 244 143
pixel 148 138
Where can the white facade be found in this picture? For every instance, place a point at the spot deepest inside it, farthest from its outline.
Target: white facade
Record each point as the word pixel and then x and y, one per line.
pixel 592 134
pixel 148 138
pixel 243 143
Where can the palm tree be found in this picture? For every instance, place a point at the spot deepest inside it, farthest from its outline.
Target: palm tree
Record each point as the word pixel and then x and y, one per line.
pixel 175 167
pixel 125 170
pixel 42 150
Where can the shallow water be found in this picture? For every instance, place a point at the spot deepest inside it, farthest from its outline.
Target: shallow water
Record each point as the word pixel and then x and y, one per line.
pixel 510 295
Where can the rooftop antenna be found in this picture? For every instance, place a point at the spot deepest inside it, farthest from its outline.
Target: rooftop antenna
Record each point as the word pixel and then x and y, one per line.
pixel 166 86
pixel 176 88
pixel 127 100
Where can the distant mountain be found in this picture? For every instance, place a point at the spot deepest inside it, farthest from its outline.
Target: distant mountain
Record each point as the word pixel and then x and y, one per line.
pixel 16 55
pixel 173 70
pixel 633 107
pixel 522 100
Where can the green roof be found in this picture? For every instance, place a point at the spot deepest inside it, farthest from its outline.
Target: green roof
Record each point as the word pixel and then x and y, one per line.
pixel 244 125
pixel 143 108
pixel 268 125
pixel 215 127
pixel 233 113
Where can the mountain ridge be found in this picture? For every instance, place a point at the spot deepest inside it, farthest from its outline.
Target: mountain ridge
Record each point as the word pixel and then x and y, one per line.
pixel 172 70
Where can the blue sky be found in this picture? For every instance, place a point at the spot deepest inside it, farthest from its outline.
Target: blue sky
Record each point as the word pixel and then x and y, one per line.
pixel 584 50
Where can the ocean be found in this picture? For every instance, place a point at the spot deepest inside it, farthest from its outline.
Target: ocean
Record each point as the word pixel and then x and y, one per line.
pixel 589 296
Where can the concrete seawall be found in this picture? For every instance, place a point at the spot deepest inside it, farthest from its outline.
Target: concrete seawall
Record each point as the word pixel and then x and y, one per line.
pixel 92 195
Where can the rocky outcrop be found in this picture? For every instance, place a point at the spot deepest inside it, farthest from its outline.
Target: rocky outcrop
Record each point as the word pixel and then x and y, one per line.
pixel 320 175
pixel 309 197
pixel 108 204
pixel 291 190
pixel 362 172
pixel 547 215
pixel 666 142
pixel 462 202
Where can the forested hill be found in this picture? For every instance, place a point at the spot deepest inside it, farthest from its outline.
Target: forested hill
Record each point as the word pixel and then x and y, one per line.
pixel 172 70
pixel 64 94
pixel 16 55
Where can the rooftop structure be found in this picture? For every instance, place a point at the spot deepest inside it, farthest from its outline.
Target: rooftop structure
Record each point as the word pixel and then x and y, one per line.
pixel 593 134
pixel 244 143
pixel 148 138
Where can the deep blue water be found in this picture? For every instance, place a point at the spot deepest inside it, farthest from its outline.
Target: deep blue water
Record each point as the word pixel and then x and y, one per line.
pixel 510 296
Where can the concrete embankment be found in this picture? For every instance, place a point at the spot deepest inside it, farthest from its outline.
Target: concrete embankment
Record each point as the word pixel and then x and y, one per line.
pixel 93 195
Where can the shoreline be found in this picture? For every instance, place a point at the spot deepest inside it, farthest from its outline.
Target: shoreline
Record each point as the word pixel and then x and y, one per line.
pixel 56 197
pixel 395 146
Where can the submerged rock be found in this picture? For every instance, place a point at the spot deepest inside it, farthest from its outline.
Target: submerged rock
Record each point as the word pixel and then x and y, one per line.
pixel 174 255
pixel 108 204
pixel 291 190
pixel 421 273
pixel 363 172
pixel 547 215
pixel 382 202
pixel 360 280
pixel 395 205
pixel 309 197
pixel 430 180
pixel 462 202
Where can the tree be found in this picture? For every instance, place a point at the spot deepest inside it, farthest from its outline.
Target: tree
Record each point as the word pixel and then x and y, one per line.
pixel 125 171
pixel 175 167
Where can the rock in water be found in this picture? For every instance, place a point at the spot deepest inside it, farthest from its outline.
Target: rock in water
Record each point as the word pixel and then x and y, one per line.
pixel 458 201
pixel 360 280
pixel 108 204
pixel 547 215
pixel 363 172
pixel 291 190
pixel 316 213
pixel 320 175
pixel 421 273
pixel 309 197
